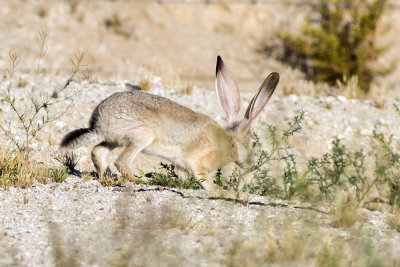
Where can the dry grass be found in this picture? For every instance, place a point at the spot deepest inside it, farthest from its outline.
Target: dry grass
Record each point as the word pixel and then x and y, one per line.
pixel 289 246
pixel 393 219
pixel 146 82
pixel 73 6
pixel 170 80
pixel 119 25
pixel 329 255
pixel 173 218
pixel 173 80
pixel 16 170
pixel 139 236
pixel 184 88
pixel 345 210
pixel 42 12
pixel 7 249
pixel 65 254
pixel 379 94
pixel 308 246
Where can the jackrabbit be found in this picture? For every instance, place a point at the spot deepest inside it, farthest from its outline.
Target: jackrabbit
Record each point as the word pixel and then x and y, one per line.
pixel 154 125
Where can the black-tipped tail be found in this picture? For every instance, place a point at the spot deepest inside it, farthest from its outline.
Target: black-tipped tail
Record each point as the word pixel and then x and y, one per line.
pixel 79 137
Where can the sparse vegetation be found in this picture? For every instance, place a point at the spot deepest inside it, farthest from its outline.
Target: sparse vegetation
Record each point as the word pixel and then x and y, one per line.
pixel 16 170
pixel 169 178
pixel 69 160
pixel 59 175
pixel 284 184
pixel 143 238
pixel 387 170
pixel 166 177
pixel 393 219
pixel 42 11
pixel 39 112
pixel 119 25
pixel 277 174
pixel 305 246
pixel 341 44
pixel 345 210
pixel 145 82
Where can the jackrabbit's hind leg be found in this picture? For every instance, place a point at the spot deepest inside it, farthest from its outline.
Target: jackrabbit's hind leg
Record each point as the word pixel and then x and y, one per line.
pixel 99 157
pixel 132 149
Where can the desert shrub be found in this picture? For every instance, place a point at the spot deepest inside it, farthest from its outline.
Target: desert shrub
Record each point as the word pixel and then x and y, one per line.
pixel 169 178
pixel 232 182
pixel 119 25
pixel 346 170
pixel 283 184
pixel 340 169
pixel 39 109
pixel 387 169
pixel 276 172
pixel 341 45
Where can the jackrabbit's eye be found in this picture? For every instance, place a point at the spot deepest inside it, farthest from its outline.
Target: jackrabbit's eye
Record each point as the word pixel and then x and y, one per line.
pixel 253 144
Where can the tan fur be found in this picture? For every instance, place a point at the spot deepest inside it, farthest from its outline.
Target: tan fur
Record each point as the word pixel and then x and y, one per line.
pixel 153 125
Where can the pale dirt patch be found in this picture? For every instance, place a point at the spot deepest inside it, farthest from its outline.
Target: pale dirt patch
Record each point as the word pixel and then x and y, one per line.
pixel 177 41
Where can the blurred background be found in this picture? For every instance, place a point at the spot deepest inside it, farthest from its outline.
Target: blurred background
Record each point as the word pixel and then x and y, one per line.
pixel 179 41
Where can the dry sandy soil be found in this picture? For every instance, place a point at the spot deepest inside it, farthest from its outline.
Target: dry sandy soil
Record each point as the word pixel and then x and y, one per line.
pixel 81 222
pixel 177 41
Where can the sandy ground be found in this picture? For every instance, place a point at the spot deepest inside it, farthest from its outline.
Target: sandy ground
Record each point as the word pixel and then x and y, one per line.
pixel 91 225
pixel 122 39
pixel 94 225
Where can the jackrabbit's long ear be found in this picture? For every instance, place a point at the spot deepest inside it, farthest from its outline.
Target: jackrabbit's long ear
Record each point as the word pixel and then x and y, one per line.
pixel 259 100
pixel 227 91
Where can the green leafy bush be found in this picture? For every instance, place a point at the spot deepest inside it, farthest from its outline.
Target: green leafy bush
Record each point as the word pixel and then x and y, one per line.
pixel 340 168
pixel 169 178
pixel 277 174
pixel 341 45
pixel 387 170
pixel 284 184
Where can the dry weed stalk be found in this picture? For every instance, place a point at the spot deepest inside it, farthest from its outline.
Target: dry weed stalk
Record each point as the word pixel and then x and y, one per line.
pixel 39 112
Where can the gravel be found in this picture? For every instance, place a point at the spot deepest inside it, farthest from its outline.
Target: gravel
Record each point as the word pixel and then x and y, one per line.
pixel 94 225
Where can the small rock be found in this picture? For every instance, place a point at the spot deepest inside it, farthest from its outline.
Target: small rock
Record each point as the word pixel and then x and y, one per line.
pixel 341 98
